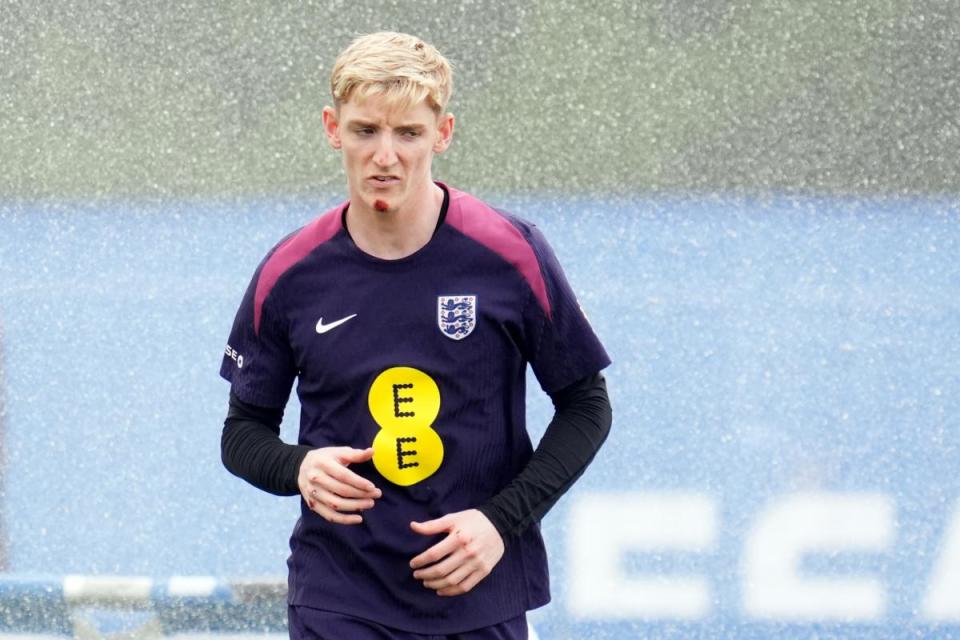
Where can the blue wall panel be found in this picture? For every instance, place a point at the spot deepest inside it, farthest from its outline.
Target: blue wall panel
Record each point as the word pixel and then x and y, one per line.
pixel 763 349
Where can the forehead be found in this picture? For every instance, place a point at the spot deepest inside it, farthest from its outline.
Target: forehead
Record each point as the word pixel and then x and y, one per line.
pixel 376 109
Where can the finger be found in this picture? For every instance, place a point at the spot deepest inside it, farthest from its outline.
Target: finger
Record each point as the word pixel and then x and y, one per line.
pixel 351 456
pixel 435 553
pixel 441 569
pixel 334 486
pixel 338 503
pixel 432 527
pixel 465 585
pixel 346 476
pixel 330 515
pixel 454 578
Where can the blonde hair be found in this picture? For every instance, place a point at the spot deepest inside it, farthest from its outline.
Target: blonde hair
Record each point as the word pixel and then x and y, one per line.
pixel 401 68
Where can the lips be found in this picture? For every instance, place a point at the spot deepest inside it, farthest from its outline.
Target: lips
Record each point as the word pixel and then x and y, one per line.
pixel 383 180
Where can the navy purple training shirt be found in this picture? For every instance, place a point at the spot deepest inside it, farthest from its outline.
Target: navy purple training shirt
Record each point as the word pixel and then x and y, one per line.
pixel 424 359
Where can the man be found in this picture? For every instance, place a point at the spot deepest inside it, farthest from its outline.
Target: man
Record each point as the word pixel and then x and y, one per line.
pixel 407 315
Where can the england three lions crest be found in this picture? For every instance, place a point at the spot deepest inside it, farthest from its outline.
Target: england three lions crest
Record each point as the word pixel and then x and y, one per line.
pixel 456 315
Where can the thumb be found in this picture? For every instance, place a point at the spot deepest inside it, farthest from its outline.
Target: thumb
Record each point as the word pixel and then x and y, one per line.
pixel 349 455
pixel 432 527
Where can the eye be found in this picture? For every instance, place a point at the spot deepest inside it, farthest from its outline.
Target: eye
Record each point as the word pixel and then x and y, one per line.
pixel 410 133
pixel 364 131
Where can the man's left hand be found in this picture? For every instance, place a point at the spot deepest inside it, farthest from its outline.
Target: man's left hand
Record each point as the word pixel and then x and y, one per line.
pixel 468 554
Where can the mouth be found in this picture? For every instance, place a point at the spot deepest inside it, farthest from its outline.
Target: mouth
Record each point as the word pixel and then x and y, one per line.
pixel 381 180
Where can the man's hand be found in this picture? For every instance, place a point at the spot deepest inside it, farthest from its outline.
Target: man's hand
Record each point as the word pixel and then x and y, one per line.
pixel 468 554
pixel 331 489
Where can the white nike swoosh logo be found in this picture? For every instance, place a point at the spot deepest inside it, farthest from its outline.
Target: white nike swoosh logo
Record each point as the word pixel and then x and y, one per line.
pixel 323 328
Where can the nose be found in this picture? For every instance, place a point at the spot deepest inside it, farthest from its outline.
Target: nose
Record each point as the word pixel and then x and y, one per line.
pixel 384 156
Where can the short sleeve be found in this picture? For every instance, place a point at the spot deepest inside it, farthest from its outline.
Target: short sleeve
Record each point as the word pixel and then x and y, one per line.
pixel 562 346
pixel 258 360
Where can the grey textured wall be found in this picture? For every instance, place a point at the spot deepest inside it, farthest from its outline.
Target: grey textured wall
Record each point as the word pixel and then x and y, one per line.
pixel 218 99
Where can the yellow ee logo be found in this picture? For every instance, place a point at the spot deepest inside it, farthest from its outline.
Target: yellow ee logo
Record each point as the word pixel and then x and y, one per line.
pixel 405 401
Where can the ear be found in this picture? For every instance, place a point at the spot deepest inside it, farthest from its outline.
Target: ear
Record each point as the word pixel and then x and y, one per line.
pixel 331 126
pixel 444 133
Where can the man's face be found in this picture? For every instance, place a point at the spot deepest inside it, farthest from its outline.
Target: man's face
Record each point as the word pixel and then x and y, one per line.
pixel 387 153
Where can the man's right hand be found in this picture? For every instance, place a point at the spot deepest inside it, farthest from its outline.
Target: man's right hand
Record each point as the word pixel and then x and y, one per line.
pixel 331 490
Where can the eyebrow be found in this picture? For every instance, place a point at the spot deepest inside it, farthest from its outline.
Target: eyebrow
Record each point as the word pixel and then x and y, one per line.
pixel 365 123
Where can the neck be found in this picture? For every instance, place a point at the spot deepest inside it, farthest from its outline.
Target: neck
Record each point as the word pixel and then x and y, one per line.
pixel 391 235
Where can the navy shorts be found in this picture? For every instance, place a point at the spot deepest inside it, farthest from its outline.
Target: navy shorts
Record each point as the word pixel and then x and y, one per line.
pixel 306 623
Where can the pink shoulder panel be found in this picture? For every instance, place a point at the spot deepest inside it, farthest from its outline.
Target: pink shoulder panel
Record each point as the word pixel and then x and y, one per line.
pixel 481 222
pixel 292 251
